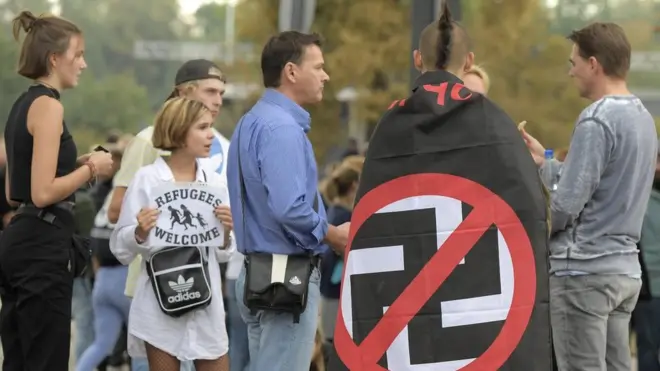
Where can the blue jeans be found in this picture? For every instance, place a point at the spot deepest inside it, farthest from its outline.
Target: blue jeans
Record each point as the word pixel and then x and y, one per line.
pixel 647 327
pixel 83 314
pixel 139 364
pixel 111 309
pixel 239 349
pixel 276 343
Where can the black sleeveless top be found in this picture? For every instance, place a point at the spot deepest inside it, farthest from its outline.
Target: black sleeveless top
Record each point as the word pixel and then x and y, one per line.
pixel 19 143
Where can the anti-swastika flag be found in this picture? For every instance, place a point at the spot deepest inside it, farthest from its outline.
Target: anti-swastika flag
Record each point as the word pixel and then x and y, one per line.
pixel 447 264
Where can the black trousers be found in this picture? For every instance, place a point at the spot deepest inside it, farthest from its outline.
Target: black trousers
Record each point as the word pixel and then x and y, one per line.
pixel 36 286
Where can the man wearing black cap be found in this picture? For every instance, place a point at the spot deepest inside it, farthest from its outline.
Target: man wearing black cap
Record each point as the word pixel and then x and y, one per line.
pixel 197 79
pixel 197 71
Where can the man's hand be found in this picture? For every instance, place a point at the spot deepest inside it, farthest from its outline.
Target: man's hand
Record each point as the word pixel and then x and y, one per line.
pixel 535 148
pixel 337 237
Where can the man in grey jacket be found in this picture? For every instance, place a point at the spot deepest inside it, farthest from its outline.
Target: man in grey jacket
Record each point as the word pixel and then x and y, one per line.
pixel 598 199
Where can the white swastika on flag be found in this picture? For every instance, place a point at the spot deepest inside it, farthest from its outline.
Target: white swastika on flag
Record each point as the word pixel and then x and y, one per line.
pixel 448 215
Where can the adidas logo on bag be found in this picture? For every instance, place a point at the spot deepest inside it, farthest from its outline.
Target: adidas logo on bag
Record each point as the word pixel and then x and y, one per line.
pixel 295 281
pixel 181 286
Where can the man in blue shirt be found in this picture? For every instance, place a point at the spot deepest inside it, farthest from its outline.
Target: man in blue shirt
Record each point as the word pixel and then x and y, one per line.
pixel 282 211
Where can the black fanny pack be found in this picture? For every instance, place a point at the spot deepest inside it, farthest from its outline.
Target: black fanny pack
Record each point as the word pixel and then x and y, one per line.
pixel 278 283
pixel 180 279
pixel 80 251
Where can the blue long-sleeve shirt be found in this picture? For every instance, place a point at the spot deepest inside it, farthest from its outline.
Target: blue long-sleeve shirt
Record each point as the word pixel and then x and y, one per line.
pixel 280 175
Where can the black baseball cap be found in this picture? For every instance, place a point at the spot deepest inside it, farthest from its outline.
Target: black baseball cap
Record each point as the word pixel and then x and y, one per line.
pixel 196 69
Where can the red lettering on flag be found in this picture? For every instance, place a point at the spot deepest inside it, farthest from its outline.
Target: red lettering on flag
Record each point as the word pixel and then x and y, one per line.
pixel 456 92
pixel 441 90
pixel 399 102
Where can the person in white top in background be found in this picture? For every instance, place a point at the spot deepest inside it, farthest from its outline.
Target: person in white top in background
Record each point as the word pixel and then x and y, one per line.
pixel 198 79
pixel 184 127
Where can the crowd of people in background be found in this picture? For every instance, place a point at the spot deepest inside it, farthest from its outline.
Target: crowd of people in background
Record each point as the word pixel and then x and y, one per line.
pixel 99 303
pixel 280 206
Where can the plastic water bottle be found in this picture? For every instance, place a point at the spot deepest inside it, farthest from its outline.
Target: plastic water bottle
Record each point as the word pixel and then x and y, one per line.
pixel 549 154
pixel 550 180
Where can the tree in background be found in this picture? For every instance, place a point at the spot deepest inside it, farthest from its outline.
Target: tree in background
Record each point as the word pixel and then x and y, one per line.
pixel 116 92
pixel 111 29
pixel 528 66
pixel 210 18
pixel 366 47
pixel 520 42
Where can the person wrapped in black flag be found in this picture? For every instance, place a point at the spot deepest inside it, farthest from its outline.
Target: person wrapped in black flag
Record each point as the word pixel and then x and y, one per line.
pixel 447 266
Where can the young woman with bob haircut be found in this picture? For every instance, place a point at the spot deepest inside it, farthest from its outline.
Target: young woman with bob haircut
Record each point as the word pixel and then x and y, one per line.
pixel 37 259
pixel 184 127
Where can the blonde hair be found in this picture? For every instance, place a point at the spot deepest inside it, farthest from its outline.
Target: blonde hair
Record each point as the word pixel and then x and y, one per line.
pixel 185 88
pixel 354 161
pixel 182 90
pixel 340 177
pixel 174 120
pixel 481 73
pixel 340 182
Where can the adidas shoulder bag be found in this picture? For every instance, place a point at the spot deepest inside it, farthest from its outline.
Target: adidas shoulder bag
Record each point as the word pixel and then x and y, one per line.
pixel 277 283
pixel 180 279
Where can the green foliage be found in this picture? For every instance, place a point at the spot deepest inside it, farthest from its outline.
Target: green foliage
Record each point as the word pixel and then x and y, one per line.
pixel 364 40
pixel 10 82
pixel 367 46
pixel 116 92
pixel 87 107
pixel 210 18
pixel 528 67
pixel 369 41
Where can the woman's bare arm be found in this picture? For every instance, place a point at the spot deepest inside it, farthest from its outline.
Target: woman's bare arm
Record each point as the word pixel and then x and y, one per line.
pixel 45 124
pixel 115 204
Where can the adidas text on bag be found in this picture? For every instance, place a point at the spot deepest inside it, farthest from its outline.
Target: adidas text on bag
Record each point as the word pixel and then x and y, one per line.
pixel 180 279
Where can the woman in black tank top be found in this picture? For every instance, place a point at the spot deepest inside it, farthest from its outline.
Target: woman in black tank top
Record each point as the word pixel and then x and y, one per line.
pixel 36 275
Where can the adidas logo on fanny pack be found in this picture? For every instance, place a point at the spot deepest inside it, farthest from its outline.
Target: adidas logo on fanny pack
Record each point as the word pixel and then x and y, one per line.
pixel 181 286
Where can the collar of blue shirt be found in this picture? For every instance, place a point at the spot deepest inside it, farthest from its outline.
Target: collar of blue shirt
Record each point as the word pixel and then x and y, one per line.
pixel 299 114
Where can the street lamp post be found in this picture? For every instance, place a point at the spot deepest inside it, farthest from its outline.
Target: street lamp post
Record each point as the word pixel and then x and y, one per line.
pixel 299 15
pixel 296 15
pixel 422 13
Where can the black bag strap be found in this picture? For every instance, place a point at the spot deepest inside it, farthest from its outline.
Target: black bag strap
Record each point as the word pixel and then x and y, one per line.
pixel 315 205
pixel 240 177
